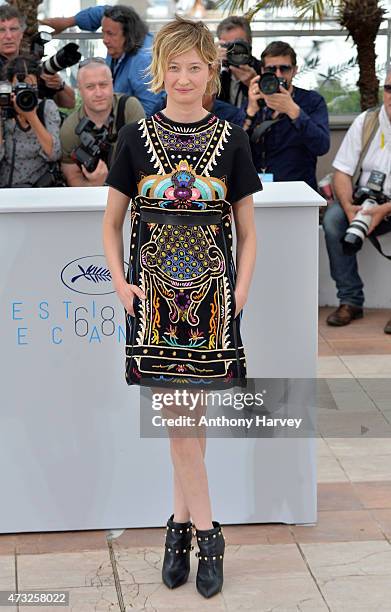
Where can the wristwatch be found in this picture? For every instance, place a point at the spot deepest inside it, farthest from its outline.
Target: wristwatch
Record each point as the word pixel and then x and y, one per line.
pixel 62 86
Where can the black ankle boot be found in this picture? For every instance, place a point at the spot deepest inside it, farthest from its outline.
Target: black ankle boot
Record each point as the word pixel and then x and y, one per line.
pixel 210 576
pixel 176 563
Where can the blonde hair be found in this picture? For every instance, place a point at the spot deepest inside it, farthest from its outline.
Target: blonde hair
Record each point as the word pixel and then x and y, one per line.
pixel 177 37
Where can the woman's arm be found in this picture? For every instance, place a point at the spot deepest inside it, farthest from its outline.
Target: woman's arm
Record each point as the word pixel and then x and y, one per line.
pixel 246 243
pixel 44 137
pixel 117 205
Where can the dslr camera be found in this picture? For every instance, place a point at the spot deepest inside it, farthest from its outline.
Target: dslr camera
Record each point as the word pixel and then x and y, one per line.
pixel 269 83
pixel 94 144
pixel 64 58
pixel 238 53
pixel 369 196
pixel 26 97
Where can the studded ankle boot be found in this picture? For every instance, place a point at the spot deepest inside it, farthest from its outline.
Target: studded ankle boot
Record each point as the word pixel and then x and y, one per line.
pixel 176 563
pixel 210 577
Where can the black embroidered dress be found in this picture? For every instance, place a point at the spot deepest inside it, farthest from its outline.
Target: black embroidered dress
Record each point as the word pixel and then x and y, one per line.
pixel 182 179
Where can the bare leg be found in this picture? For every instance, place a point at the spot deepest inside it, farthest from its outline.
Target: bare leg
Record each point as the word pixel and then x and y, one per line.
pixel 181 511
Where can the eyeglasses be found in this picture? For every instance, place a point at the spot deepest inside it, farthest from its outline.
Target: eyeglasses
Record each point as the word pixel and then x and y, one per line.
pixel 387 88
pixel 12 30
pixel 284 68
pixel 92 60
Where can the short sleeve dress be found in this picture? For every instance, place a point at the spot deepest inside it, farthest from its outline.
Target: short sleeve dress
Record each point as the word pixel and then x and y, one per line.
pixel 182 179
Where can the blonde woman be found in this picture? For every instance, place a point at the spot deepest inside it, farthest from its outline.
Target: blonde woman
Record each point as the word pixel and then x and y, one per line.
pixel 185 172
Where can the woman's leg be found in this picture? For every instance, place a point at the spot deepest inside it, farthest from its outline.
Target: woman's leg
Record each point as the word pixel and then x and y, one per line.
pixel 181 511
pixel 190 471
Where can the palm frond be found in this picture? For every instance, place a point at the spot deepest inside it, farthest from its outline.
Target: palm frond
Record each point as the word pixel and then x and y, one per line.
pixel 313 9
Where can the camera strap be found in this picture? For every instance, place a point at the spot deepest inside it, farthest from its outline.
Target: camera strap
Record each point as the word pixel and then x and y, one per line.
pixel 12 168
pixel 377 245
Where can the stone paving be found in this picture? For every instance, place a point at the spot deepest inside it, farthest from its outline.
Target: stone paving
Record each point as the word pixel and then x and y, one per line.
pixel 343 563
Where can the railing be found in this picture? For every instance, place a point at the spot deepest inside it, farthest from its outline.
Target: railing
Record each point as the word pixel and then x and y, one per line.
pixel 341 73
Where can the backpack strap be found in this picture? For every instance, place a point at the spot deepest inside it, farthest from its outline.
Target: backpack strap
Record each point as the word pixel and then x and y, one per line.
pixel 370 127
pixel 41 111
pixel 120 119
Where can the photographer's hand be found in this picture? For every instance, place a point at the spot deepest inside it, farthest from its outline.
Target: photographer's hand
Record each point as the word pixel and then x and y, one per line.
pixel 30 118
pixel 98 176
pixel 351 211
pixel 221 51
pixel 243 73
pixel 54 81
pixel 378 213
pixel 283 103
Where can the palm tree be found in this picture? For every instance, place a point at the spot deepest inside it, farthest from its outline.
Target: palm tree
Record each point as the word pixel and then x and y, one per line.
pixel 361 18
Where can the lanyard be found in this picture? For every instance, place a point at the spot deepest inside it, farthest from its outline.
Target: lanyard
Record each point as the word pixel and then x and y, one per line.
pixel 115 66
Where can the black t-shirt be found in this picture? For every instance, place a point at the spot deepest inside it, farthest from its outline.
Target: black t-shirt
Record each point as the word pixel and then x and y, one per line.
pixel 156 145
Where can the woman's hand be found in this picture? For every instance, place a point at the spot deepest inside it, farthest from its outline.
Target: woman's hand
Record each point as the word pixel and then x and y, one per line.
pixel 28 116
pixel 127 293
pixel 240 300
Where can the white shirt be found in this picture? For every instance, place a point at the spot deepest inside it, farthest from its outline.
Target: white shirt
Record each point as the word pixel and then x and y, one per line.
pixel 378 156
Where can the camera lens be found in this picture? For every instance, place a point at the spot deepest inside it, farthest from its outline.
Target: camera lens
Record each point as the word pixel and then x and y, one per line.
pixel 65 57
pixel 269 83
pixel 238 53
pixel 26 98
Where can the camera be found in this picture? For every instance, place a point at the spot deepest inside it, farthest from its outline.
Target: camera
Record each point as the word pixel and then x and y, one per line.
pixel 26 97
pixel 65 57
pixel 38 42
pixel 238 53
pixel 269 83
pixel 369 196
pixel 94 144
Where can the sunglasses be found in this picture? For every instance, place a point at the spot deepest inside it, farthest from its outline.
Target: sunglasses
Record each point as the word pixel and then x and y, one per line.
pixel 387 88
pixel 92 60
pixel 284 68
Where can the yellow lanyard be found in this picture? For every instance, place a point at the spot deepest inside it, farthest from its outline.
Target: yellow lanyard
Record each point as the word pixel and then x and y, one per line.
pixel 382 143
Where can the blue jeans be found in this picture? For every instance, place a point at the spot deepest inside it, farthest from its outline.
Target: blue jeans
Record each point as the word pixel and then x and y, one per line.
pixel 344 268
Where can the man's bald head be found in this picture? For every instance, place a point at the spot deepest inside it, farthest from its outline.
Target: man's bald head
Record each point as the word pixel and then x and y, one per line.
pixel 95 84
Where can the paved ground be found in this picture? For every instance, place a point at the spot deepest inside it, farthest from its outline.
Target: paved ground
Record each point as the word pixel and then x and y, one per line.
pixel 341 564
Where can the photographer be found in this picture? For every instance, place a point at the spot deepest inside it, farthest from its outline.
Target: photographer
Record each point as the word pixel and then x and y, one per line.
pixel 288 126
pixel 108 112
pixel 29 136
pixel 235 78
pixel 12 27
pixel 348 162
pixel 128 45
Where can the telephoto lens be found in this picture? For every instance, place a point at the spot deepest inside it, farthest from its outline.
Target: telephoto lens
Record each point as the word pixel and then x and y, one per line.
pixel 369 196
pixel 358 229
pixel 65 57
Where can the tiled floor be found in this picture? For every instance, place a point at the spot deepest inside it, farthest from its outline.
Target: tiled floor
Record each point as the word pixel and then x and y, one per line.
pixel 343 563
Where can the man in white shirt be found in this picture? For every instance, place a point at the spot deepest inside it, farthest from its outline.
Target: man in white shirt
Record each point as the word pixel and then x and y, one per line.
pixel 338 216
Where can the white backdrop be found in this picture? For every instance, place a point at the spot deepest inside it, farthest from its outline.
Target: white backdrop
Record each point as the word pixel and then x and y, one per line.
pixel 70 452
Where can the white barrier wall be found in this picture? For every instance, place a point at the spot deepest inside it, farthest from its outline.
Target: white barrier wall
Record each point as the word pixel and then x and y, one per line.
pixel 374 269
pixel 70 452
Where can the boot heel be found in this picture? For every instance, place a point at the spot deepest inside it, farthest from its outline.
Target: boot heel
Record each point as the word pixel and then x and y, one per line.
pixel 210 574
pixel 176 562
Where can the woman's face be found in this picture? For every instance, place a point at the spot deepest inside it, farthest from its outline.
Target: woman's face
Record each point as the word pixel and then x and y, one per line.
pixel 186 78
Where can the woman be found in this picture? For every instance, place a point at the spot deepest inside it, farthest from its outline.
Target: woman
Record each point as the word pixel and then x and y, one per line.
pixel 185 171
pixel 28 141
